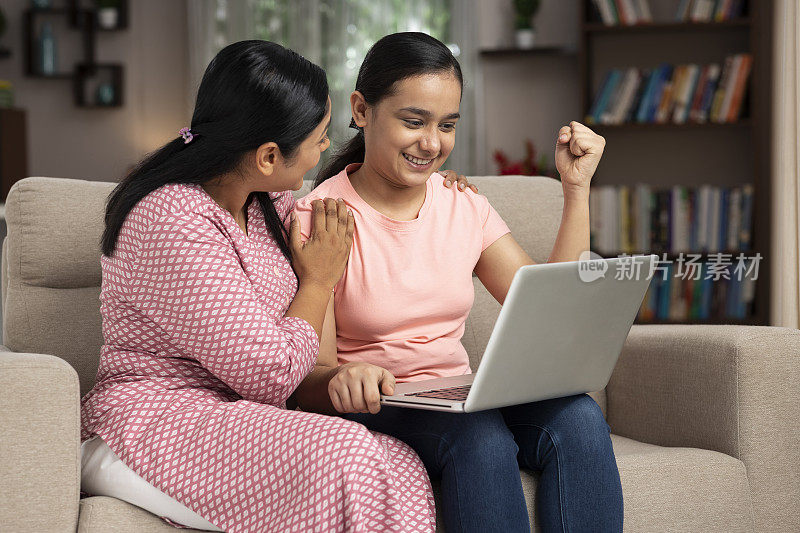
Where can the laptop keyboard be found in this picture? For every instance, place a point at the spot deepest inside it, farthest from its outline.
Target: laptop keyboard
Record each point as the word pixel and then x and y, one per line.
pixel 450 393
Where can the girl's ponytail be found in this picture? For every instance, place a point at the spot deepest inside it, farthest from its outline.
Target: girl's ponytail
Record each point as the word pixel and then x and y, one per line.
pixel 352 152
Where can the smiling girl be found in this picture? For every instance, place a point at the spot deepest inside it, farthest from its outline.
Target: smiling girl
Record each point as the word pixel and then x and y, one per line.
pixel 399 310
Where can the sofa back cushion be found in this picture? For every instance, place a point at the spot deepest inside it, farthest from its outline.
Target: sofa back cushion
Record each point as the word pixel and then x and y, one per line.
pixel 52 255
pixel 531 207
pixel 51 267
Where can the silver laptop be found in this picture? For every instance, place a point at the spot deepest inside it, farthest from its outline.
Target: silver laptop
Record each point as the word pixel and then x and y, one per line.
pixel 559 333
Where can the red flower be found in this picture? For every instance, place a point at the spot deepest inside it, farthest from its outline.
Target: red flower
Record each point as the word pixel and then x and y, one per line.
pixel 526 167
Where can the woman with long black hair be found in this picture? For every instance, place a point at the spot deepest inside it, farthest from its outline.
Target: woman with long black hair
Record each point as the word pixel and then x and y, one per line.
pixel 208 326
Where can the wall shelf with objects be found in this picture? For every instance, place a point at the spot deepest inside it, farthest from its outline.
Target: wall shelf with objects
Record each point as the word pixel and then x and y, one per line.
pixel 112 15
pixel 685 171
pixel 41 27
pixel 95 85
pixel 98 85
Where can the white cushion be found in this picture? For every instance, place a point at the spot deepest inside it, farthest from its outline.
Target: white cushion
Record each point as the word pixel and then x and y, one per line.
pixel 104 474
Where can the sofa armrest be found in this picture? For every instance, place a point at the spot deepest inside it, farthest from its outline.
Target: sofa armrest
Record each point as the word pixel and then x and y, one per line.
pixel 732 389
pixel 40 443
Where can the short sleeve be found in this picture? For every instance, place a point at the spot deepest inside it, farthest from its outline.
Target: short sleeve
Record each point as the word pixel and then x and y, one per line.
pixel 303 212
pixel 494 226
pixel 190 283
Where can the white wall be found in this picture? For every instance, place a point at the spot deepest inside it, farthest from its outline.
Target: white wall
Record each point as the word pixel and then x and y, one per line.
pixel 101 144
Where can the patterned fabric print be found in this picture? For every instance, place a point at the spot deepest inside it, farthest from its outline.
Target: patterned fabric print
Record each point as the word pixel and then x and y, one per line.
pixel 195 371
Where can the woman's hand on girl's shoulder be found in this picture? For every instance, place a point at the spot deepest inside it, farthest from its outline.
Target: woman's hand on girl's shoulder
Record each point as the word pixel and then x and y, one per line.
pixel 322 258
pixel 451 176
pixel 357 387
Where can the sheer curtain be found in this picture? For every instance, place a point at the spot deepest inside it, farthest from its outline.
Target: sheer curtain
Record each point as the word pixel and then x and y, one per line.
pixel 785 267
pixel 336 35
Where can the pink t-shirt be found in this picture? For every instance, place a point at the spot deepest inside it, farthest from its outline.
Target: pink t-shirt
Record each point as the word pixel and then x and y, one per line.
pixel 407 289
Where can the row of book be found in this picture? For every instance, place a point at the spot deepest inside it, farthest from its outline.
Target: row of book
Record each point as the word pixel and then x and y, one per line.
pixel 622 12
pixel 703 297
pixel 673 93
pixel 631 12
pixel 709 10
pixel 639 218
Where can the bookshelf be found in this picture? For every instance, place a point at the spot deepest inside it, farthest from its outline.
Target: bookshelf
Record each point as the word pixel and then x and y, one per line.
pixel 664 156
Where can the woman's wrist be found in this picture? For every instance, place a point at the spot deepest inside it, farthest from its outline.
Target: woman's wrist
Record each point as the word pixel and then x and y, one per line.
pixel 309 303
pixel 312 285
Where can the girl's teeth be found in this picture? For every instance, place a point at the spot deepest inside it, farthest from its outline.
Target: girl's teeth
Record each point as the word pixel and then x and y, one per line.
pixel 417 160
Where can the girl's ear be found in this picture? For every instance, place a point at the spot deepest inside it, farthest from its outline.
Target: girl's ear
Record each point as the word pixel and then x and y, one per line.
pixel 267 157
pixel 358 106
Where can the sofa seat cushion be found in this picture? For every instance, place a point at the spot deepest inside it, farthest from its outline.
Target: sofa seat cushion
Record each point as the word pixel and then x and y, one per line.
pixel 664 489
pixel 668 489
pixel 103 514
pixel 682 489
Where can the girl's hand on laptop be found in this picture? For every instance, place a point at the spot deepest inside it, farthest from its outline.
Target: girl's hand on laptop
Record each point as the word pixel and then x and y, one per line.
pixel 451 176
pixel 355 387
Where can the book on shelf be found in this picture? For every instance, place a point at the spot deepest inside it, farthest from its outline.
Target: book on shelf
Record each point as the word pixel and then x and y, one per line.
pixel 631 12
pixel 621 12
pixel 709 10
pixel 674 94
pixel 680 292
pixel 700 219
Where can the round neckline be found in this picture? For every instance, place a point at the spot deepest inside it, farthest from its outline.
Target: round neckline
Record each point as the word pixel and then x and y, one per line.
pixel 252 206
pixel 380 218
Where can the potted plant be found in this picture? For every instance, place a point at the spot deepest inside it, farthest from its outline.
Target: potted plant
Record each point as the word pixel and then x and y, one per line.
pixel 108 14
pixel 525 10
pixel 529 166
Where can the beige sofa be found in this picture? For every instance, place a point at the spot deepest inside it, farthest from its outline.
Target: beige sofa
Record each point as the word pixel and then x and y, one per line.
pixel 705 419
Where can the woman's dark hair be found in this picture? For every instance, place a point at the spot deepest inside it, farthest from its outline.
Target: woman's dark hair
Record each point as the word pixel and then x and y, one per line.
pixel 252 92
pixel 390 60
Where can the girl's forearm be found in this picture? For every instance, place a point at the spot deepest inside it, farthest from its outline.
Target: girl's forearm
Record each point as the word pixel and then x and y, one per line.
pixel 573 234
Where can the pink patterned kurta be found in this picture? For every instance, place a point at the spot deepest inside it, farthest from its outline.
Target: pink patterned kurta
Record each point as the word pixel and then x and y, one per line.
pixel 197 365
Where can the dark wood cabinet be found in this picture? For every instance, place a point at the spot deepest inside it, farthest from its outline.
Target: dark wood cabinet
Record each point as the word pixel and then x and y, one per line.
pixel 13 148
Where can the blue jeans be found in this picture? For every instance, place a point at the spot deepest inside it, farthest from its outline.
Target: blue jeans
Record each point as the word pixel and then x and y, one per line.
pixel 478 457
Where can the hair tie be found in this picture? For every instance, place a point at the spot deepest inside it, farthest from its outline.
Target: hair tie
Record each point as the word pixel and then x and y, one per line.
pixel 186 134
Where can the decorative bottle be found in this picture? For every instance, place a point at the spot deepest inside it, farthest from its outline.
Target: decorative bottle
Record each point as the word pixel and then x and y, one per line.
pixel 47 50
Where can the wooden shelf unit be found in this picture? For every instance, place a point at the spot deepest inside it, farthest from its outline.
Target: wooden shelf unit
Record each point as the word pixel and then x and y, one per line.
pixel 83 18
pixel 753 125
pixel 678 27
pixel 537 50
